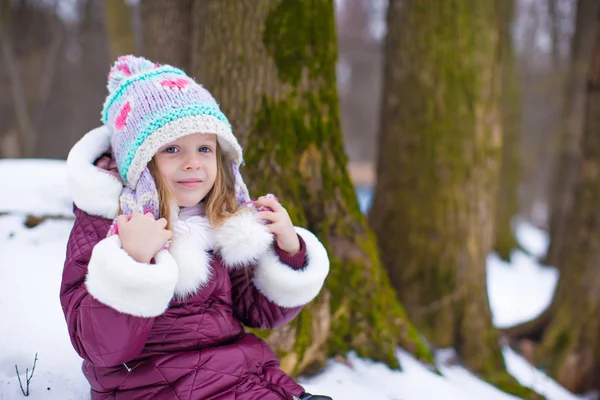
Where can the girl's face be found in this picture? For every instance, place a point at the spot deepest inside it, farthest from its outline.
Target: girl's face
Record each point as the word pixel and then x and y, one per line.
pixel 188 166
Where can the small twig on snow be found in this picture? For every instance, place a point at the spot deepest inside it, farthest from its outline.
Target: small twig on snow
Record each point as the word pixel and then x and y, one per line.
pixel 27 376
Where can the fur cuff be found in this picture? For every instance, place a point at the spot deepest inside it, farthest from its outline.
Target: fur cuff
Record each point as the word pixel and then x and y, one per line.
pixel 287 287
pixel 130 287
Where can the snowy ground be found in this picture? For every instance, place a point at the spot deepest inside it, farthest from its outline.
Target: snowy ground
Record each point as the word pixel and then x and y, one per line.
pixel 32 321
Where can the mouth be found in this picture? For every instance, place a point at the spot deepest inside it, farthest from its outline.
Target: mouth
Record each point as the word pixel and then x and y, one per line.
pixel 190 183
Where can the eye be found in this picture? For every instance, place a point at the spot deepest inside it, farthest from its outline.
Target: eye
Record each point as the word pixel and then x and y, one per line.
pixel 204 149
pixel 171 149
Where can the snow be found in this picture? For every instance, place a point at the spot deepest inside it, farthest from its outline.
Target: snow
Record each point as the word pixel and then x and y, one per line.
pixel 370 380
pixel 520 290
pixel 32 320
pixel 531 377
pixel 35 187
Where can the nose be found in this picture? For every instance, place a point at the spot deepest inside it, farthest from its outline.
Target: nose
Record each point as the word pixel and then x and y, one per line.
pixel 192 162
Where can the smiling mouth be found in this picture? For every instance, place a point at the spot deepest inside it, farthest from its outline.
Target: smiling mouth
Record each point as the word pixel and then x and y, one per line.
pixel 191 183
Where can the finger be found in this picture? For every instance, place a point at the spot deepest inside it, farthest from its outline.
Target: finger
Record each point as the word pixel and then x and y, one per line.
pixel 149 214
pixel 271 203
pixel 271 228
pixel 274 228
pixel 136 214
pixel 121 221
pixel 268 216
pixel 168 234
pixel 162 222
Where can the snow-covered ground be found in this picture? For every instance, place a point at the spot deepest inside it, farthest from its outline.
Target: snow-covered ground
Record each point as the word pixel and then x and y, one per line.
pixel 32 321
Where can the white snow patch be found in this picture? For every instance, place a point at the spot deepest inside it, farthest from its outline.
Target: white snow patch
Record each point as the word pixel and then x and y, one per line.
pixel 35 187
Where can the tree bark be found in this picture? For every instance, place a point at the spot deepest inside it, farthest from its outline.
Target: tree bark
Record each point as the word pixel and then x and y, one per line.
pixel 510 109
pixel 271 65
pixel 572 129
pixel 119 28
pixel 438 173
pixel 167 31
pixel 570 346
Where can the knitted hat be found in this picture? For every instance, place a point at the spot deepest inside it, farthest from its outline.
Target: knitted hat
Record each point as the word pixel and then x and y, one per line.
pixel 150 105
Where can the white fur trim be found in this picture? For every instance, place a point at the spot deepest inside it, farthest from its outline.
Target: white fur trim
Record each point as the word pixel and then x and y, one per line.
pixel 130 287
pixel 93 191
pixel 179 128
pixel 192 240
pixel 242 240
pixel 288 287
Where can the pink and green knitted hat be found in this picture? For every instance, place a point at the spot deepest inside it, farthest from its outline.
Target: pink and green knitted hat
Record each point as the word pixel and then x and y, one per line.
pixel 150 105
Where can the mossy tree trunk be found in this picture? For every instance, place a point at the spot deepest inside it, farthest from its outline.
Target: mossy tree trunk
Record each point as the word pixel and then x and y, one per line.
pixel 119 28
pixel 510 109
pixel 569 150
pixel 167 31
pixel 271 65
pixel 438 173
pixel 570 345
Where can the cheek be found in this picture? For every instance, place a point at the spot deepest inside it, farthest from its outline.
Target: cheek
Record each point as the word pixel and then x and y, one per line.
pixel 213 172
pixel 166 169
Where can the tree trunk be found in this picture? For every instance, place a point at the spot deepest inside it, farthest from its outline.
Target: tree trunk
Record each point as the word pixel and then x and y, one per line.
pixel 570 140
pixel 510 109
pixel 119 28
pixel 438 173
pixel 271 65
pixel 555 23
pixel 80 79
pixel 167 31
pixel 25 129
pixel 570 346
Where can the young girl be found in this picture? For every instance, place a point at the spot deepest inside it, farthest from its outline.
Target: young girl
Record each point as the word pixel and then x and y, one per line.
pixel 169 258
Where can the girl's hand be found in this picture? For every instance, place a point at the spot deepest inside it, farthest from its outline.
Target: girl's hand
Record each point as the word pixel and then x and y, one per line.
pixel 142 236
pixel 280 224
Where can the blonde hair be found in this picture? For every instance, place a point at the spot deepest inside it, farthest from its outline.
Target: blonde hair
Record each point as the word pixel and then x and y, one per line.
pixel 220 201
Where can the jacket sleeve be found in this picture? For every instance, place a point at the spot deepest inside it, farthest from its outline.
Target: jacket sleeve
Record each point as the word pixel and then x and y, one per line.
pixel 272 292
pixel 108 299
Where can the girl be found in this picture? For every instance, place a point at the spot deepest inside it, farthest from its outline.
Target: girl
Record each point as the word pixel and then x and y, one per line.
pixel 168 257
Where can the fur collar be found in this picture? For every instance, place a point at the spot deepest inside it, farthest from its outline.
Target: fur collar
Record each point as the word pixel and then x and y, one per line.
pixel 93 190
pixel 241 241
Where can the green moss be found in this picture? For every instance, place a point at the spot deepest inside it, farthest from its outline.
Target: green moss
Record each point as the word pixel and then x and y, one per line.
pixel 300 37
pixel 508 384
pixel 556 344
pixel 562 342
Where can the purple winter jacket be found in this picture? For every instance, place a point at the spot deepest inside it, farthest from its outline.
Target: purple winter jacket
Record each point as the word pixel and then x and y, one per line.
pixel 172 329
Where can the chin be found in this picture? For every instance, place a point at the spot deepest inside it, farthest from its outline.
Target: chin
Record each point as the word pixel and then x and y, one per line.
pixel 188 203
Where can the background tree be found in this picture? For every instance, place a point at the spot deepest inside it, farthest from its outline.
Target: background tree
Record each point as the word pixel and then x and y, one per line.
pixel 569 151
pixel 167 31
pixel 57 74
pixel 18 58
pixel 271 65
pixel 438 172
pixel 510 107
pixel 569 330
pixel 119 28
